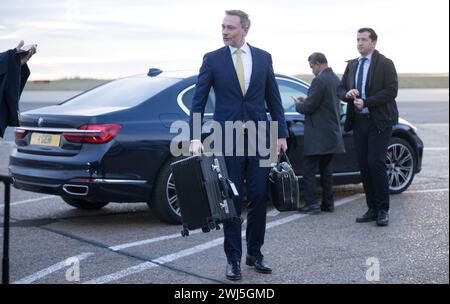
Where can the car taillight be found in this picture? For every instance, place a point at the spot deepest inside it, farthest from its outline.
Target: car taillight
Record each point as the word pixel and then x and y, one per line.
pixel 94 134
pixel 19 133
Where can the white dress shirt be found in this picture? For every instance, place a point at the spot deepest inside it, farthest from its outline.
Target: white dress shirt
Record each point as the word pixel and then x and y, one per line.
pixel 246 56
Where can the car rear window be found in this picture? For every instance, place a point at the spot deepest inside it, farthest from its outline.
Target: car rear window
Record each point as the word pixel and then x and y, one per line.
pixel 125 92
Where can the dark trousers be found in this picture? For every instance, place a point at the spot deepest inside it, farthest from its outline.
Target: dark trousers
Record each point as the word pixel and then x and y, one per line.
pixel 240 169
pixel 323 163
pixel 371 149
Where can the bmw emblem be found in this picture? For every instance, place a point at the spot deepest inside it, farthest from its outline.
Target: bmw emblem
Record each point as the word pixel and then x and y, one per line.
pixel 40 122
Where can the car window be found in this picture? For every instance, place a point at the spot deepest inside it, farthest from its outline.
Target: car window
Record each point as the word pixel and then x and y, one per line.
pixel 125 92
pixel 343 108
pixel 210 104
pixel 289 88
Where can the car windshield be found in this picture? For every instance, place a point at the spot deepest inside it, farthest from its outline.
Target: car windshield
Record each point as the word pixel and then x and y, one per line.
pixel 125 92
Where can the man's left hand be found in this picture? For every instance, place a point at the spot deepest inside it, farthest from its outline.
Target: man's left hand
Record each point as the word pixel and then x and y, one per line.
pixel 281 145
pixel 359 103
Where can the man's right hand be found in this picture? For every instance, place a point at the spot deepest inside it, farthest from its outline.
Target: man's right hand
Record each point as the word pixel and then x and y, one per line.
pixel 196 147
pixel 352 94
pixel 24 59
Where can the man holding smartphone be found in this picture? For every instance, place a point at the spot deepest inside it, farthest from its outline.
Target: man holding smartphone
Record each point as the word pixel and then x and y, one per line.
pixel 323 137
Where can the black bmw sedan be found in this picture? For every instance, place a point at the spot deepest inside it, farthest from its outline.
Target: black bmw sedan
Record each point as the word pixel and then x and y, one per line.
pixel 112 144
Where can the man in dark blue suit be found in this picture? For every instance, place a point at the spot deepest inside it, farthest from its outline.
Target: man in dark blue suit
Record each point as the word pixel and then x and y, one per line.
pixel 244 84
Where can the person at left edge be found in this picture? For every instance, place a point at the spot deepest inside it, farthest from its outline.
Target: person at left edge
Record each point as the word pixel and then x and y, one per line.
pixel 14 73
pixel 242 78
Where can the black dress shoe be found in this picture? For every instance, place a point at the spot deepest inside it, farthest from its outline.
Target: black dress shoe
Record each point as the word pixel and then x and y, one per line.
pixel 383 218
pixel 258 263
pixel 327 208
pixel 233 271
pixel 313 208
pixel 369 216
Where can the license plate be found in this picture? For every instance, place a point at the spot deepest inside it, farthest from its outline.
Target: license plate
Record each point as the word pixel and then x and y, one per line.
pixel 42 139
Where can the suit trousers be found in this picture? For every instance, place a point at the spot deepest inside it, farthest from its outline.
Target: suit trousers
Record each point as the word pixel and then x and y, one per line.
pixel 247 169
pixel 371 149
pixel 323 164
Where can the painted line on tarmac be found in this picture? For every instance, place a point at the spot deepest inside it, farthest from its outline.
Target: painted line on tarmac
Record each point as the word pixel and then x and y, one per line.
pixel 199 248
pixel 427 190
pixel 271 213
pixel 432 124
pixel 58 266
pixel 31 200
pixel 149 241
pixel 436 149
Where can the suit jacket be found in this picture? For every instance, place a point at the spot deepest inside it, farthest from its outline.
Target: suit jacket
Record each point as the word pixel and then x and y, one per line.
pixel 13 77
pixel 218 72
pixel 322 116
pixel 381 90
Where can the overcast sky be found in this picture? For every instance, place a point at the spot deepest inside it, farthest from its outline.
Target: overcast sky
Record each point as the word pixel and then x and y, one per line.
pixel 114 38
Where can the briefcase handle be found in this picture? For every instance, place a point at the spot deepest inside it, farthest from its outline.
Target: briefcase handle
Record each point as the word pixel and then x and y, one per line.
pixel 282 153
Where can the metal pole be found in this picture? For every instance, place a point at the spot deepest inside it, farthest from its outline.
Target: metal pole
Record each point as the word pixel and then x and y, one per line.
pixel 7 180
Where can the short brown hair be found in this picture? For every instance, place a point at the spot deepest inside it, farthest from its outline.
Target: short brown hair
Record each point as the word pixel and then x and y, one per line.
pixel 245 21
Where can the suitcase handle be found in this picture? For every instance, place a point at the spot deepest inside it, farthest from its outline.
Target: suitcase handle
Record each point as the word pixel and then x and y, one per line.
pixel 226 188
pixel 282 153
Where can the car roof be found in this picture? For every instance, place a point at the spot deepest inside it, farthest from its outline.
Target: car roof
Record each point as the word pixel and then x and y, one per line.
pixel 183 74
pixel 175 74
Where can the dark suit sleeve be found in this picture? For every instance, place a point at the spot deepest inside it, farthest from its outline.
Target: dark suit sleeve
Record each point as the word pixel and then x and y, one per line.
pixel 273 99
pixel 390 87
pixel 314 99
pixel 24 74
pixel 342 89
pixel 202 88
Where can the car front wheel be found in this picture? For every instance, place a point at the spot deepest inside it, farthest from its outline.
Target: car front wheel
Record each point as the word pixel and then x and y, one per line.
pixel 400 165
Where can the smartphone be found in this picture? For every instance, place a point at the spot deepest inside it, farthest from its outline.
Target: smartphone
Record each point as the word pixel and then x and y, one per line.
pixel 26 48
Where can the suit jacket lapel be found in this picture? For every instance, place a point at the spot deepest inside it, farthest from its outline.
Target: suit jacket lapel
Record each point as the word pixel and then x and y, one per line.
pixel 255 66
pixel 371 70
pixel 352 72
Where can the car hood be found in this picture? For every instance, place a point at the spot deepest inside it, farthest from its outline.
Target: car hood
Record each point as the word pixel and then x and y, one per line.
pixel 407 123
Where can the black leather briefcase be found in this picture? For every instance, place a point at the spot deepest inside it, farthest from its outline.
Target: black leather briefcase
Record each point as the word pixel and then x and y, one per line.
pixel 204 192
pixel 283 184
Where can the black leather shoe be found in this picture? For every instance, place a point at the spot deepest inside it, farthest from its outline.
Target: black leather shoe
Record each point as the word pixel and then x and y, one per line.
pixel 233 271
pixel 327 208
pixel 369 216
pixel 258 263
pixel 313 208
pixel 383 218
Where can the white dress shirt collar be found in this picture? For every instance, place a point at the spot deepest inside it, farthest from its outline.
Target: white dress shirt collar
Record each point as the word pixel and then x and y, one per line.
pixel 245 48
pixel 369 57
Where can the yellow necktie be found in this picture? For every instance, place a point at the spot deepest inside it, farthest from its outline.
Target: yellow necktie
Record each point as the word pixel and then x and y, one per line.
pixel 240 70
